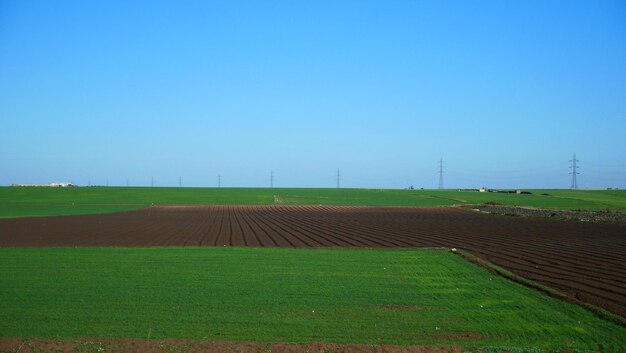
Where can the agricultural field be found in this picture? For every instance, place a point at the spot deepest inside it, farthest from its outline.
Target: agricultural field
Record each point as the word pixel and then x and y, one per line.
pixel 318 267
pixel 34 201
pixel 584 260
pixel 367 296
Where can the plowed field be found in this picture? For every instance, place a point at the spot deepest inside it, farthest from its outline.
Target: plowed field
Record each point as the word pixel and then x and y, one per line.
pixel 584 260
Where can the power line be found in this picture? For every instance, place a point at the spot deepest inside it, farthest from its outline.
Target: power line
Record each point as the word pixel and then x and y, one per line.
pixel 338 178
pixel 574 172
pixel 440 173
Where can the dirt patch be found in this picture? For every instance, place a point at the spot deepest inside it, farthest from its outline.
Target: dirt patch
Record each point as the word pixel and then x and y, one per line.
pixel 585 260
pixel 99 345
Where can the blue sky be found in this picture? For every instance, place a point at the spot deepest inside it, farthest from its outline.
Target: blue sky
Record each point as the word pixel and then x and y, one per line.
pixel 503 91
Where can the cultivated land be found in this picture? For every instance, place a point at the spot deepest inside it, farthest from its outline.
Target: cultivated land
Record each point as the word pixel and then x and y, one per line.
pixel 213 292
pixel 33 201
pixel 284 295
pixel 585 260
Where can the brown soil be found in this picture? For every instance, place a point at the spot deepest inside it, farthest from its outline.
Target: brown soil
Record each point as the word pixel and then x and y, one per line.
pixel 584 260
pixel 190 346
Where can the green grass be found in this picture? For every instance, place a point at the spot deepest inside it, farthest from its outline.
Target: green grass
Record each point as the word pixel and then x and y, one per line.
pixel 39 201
pixel 283 295
pixel 35 210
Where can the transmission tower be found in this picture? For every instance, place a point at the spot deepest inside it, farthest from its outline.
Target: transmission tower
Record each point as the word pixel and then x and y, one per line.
pixel 271 178
pixel 127 183
pixel 180 181
pixel 152 181
pixel 219 180
pixel 574 172
pixel 440 173
pixel 107 182
pixel 338 178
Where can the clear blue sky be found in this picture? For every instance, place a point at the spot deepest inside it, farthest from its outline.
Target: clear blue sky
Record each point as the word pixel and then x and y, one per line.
pixel 504 91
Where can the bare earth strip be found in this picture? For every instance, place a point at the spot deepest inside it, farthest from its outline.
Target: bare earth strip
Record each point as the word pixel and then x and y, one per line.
pixel 585 260
pixel 28 345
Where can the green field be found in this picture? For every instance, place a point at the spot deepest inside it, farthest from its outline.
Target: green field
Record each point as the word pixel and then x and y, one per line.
pixel 284 295
pixel 39 201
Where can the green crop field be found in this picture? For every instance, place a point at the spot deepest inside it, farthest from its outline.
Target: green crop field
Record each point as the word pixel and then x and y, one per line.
pixel 39 201
pixel 35 210
pixel 284 295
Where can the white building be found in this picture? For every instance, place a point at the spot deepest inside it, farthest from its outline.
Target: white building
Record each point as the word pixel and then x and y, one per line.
pixel 51 185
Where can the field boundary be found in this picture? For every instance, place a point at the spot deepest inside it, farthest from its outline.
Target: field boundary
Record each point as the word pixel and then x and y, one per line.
pixel 100 344
pixel 557 215
pixel 495 269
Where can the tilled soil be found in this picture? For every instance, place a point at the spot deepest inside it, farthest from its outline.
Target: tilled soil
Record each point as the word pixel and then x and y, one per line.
pixel 587 261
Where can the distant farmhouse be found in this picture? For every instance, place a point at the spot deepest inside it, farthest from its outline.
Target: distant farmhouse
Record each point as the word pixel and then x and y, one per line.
pixel 51 185
pixel 519 192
